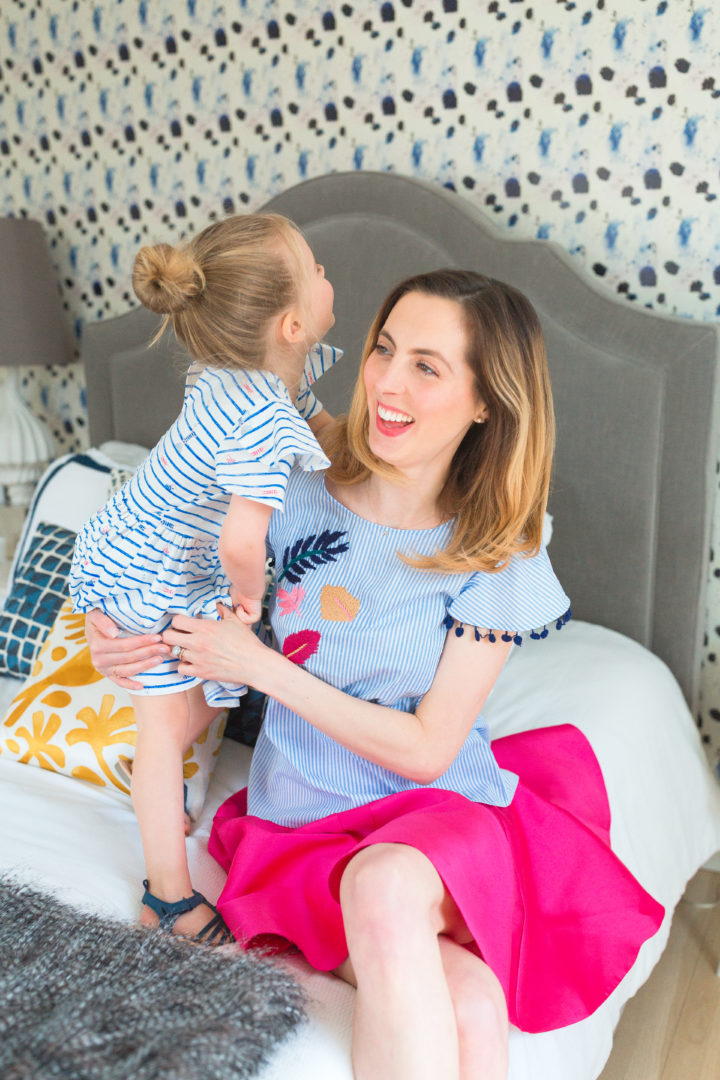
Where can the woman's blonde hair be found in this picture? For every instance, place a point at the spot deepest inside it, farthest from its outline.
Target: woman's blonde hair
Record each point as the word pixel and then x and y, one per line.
pixel 497 484
pixel 221 289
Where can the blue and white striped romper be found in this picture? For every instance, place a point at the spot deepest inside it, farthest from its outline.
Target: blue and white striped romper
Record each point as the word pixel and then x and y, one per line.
pixel 152 551
pixel 359 618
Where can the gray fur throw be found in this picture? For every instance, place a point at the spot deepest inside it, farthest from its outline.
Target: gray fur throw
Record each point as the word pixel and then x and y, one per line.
pixel 87 998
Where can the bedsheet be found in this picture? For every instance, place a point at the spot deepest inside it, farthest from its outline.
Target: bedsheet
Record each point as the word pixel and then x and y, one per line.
pixel 82 843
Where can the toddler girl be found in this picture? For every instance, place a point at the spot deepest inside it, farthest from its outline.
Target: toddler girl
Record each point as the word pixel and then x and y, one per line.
pixel 247 299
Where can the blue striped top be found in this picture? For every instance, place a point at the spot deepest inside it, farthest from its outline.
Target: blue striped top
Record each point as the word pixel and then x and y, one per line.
pixel 359 618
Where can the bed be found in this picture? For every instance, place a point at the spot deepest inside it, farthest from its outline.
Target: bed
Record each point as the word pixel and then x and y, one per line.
pixel 636 398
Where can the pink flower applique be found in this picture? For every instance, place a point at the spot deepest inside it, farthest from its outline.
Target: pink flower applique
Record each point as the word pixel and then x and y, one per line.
pixel 289 600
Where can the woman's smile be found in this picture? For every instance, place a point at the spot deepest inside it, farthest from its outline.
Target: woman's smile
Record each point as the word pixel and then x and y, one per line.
pixel 391 421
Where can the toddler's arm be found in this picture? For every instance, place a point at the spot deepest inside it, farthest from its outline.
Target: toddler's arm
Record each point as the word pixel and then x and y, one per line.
pixel 320 422
pixel 242 553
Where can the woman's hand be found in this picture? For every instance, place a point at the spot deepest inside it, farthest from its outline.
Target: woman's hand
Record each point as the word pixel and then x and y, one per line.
pixel 227 651
pixel 121 657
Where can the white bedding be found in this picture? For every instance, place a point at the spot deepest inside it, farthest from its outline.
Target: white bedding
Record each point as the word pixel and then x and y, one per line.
pixel 82 842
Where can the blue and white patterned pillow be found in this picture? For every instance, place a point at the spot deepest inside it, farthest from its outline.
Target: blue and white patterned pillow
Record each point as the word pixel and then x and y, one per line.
pixel 39 587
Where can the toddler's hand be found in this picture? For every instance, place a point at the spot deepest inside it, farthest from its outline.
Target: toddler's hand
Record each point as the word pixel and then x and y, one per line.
pixel 248 609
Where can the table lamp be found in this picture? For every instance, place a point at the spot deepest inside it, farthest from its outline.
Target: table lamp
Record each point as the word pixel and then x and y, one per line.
pixel 33 330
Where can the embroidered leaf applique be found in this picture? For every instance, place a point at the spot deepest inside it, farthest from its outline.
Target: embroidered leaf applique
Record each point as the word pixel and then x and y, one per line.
pixel 298 647
pixel 308 553
pixel 337 604
pixel 289 600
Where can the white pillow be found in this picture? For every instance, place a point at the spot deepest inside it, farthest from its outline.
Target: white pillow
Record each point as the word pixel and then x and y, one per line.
pixel 126 455
pixel 71 490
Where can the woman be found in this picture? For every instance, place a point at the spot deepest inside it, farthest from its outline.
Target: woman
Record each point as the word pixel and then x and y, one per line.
pixel 381 834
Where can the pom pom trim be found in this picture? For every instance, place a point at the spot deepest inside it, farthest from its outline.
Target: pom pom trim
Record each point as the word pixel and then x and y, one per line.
pixel 513 636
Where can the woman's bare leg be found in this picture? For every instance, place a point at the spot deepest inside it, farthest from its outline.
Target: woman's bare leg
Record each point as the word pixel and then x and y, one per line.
pixel 480 1013
pixel 425 1006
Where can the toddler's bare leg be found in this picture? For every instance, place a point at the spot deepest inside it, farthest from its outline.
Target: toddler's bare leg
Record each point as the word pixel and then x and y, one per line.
pixel 201 716
pixel 163 729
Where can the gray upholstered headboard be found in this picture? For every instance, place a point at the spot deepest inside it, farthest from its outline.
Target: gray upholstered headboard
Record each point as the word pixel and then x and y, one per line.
pixel 635 393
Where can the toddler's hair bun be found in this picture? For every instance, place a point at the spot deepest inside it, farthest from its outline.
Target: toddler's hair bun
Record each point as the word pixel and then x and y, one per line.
pixel 165 278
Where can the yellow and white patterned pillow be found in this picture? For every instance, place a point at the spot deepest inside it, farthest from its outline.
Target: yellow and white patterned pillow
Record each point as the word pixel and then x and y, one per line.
pixel 70 719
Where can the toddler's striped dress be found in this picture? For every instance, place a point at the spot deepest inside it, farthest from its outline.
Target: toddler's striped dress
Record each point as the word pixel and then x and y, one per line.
pixel 152 551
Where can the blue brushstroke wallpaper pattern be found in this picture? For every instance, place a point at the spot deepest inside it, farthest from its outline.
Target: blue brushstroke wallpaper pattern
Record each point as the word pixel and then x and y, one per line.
pixel 593 124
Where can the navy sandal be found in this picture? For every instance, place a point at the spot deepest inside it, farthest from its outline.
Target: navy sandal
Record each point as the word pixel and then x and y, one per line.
pixel 215 932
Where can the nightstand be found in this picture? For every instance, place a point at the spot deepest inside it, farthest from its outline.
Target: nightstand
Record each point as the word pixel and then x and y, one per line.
pixel 11 523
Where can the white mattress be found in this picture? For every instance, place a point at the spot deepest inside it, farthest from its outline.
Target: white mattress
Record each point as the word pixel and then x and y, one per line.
pixel 82 843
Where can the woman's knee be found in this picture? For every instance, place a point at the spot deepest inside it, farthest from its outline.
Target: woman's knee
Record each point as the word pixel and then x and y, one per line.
pixel 389 884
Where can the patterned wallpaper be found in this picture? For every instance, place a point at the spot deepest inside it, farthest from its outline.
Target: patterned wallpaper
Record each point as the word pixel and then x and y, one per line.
pixel 591 123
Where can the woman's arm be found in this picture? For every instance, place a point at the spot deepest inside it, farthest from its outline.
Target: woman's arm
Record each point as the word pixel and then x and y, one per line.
pixel 420 745
pixel 121 657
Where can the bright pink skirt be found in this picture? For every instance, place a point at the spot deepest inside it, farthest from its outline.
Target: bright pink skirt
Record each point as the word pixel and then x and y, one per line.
pixel 551 909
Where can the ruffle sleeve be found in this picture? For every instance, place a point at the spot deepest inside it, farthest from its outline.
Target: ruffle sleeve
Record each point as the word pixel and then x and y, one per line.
pixel 255 461
pixel 318 360
pixel 523 599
